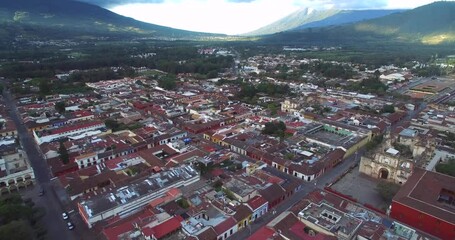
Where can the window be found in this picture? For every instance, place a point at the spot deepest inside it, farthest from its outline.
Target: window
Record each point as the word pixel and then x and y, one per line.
pixel 232 231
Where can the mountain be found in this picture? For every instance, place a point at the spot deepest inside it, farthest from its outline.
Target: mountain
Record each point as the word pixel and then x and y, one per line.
pixel 294 20
pixel 67 18
pixel 348 16
pixel 429 24
pixel 306 18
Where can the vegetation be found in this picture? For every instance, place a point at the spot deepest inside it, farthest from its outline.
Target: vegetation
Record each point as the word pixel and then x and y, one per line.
pixel 447 168
pixel 183 203
pixel 229 194
pixel 45 88
pixel 303 19
pixel 401 27
pixel 249 93
pixel 58 18
pixel 449 139
pixel 168 82
pixel 387 190
pixel 375 142
pixel 20 219
pixel 388 108
pixel 329 70
pixel 429 71
pixel 60 107
pixel 115 126
pixel 277 129
pixel 63 154
pixel 218 185
pixel 370 85
pixel 404 150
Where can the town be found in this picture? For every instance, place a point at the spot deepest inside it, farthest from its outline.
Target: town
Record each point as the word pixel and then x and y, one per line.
pixel 274 146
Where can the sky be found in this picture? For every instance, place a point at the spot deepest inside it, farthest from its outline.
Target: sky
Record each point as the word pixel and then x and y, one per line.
pixel 233 16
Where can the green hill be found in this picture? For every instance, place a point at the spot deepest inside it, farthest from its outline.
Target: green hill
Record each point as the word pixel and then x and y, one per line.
pixel 430 24
pixel 69 19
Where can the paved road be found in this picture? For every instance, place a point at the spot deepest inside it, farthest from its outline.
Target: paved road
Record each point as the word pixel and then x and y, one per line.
pixel 56 226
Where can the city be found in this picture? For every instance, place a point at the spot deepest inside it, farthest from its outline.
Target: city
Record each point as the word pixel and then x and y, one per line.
pixel 119 138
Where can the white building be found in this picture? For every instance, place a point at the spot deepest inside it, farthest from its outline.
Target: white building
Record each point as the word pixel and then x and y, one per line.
pixel 132 198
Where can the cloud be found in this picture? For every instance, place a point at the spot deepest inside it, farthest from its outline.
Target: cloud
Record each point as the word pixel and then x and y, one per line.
pixel 342 4
pixel 112 3
pixel 241 1
pixel 232 16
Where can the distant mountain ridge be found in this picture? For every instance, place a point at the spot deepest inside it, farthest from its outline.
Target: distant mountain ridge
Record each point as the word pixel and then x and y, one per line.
pixel 294 20
pixel 429 24
pixel 348 16
pixel 72 18
pixel 306 18
pixel 432 24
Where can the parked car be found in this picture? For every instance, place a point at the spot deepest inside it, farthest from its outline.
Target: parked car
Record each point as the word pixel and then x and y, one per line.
pixel 70 225
pixel 65 215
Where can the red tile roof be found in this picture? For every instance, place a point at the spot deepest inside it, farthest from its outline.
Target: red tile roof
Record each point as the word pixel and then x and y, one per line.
pixel 112 233
pixel 256 202
pixel 208 234
pixel 75 127
pixel 263 233
pixel 225 225
pixel 164 228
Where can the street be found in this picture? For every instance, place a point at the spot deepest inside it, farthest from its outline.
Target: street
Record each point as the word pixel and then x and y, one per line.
pixel 307 187
pixel 56 226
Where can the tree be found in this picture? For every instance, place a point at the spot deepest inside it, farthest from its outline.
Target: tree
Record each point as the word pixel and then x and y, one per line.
pixel 387 190
pixel 183 203
pixel 18 230
pixel 44 87
pixel 377 74
pixel 60 107
pixel 168 82
pixel 63 153
pixel 218 185
pixel 274 128
pixel 388 108
pixel 374 142
pixel 112 124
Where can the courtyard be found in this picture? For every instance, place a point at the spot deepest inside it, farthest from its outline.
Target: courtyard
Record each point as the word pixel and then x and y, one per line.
pixel 361 187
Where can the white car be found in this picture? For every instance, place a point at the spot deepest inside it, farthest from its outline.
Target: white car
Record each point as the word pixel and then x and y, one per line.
pixel 65 216
pixel 70 225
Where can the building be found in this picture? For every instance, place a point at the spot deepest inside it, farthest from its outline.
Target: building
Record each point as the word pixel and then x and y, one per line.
pixel 427 202
pixel 226 228
pixel 259 206
pixel 326 215
pixel 133 197
pixel 290 106
pixel 15 169
pixel 389 163
pixel 75 131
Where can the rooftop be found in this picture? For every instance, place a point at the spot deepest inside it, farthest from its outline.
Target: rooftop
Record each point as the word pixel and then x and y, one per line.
pixel 330 218
pixel 431 193
pixel 139 189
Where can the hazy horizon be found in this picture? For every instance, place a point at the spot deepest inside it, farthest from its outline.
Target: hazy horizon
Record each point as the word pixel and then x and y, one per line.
pixel 233 16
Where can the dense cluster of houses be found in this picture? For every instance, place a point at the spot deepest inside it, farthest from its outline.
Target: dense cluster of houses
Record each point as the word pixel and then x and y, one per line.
pixel 194 164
